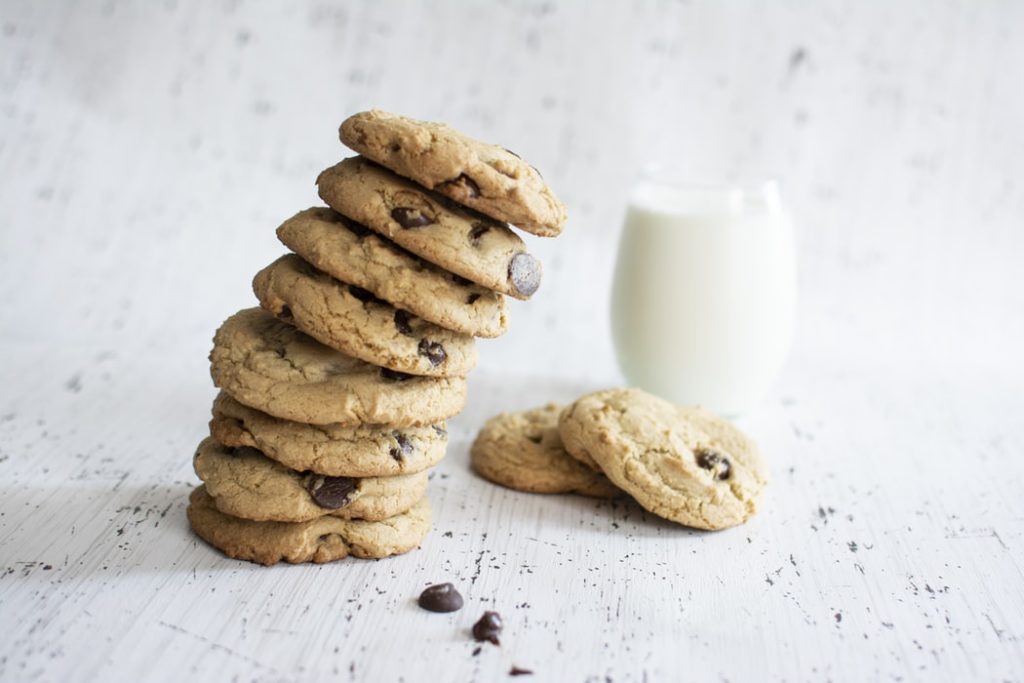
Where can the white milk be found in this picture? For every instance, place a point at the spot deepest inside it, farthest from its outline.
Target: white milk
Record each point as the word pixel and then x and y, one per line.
pixel 704 297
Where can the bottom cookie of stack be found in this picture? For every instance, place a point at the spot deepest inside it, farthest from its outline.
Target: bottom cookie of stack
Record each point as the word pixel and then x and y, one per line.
pixel 324 539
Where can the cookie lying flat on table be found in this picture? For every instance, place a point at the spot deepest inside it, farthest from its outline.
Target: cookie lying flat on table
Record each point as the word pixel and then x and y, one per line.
pixel 478 248
pixel 245 483
pixel 270 366
pixel 335 450
pixel 484 177
pixel 523 451
pixel 321 540
pixel 355 322
pixel 684 464
pixel 355 254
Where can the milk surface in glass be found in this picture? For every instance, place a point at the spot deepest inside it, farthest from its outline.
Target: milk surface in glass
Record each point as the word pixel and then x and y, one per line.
pixel 704 296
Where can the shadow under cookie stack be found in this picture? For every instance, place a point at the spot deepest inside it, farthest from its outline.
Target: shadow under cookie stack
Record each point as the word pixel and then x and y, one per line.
pixel 335 390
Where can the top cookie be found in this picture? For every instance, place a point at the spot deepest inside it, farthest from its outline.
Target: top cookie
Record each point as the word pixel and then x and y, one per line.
pixel 684 464
pixel 271 366
pixel 484 177
pixel 433 227
pixel 355 254
pixel 523 451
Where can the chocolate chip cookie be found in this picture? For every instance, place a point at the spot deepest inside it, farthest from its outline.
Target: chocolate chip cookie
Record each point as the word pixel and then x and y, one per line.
pixel 355 254
pixel 334 450
pixel 245 483
pixel 324 539
pixel 433 227
pixel 524 451
pixel 355 322
pixel 487 178
pixel 684 464
pixel 271 366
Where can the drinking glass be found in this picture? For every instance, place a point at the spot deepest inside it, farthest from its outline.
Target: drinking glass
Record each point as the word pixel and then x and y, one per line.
pixel 704 292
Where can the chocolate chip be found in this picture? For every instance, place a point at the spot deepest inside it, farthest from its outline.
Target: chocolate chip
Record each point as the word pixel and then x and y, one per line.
pixel 716 462
pixel 439 430
pixel 478 231
pixel 466 184
pixel 516 671
pixel 403 448
pixel 524 272
pixel 361 294
pixel 402 321
pixel 535 438
pixel 441 598
pixel 357 229
pixel 388 373
pixel 331 492
pixel 410 218
pixel 459 280
pixel 488 628
pixel 434 352
pixel 471 299
pixel 285 313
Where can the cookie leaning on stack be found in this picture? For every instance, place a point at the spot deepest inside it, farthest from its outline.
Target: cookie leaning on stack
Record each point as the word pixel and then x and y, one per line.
pixel 684 464
pixel 335 391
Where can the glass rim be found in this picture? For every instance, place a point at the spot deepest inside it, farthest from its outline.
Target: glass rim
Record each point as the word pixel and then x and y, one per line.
pixel 706 178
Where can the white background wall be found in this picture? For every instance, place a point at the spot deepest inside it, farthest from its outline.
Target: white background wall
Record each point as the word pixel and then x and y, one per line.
pixel 151 148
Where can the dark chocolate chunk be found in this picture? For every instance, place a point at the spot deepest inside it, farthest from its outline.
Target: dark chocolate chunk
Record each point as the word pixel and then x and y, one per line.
pixel 402 321
pixel 471 299
pixel 403 448
pixel 468 186
pixel 441 598
pixel 516 671
pixel 331 492
pixel 524 272
pixel 285 313
pixel 361 294
pixel 395 375
pixel 478 230
pixel 488 628
pixel 716 462
pixel 434 352
pixel 410 218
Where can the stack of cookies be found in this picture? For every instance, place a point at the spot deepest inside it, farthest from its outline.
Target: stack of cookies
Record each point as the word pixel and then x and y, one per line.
pixel 682 463
pixel 335 390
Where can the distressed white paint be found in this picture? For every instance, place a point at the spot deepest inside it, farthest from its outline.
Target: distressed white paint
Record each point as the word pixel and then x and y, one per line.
pixel 147 151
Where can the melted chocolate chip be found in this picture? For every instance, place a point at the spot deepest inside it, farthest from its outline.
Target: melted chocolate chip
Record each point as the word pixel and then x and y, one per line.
pixel 331 492
pixel 466 184
pixel 478 231
pixel 395 375
pixel 410 218
pixel 516 671
pixel 716 462
pixel 403 448
pixel 524 272
pixel 471 299
pixel 535 438
pixel 434 352
pixel 441 598
pixel 361 294
pixel 402 321
pixel 488 628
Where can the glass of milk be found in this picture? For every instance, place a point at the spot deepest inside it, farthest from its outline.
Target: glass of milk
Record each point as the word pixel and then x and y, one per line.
pixel 704 297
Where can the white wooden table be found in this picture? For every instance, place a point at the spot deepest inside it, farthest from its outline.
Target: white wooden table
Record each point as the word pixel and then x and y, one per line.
pixel 148 151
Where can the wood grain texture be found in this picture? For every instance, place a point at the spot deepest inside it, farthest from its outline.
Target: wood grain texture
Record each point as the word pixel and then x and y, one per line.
pixel 148 151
